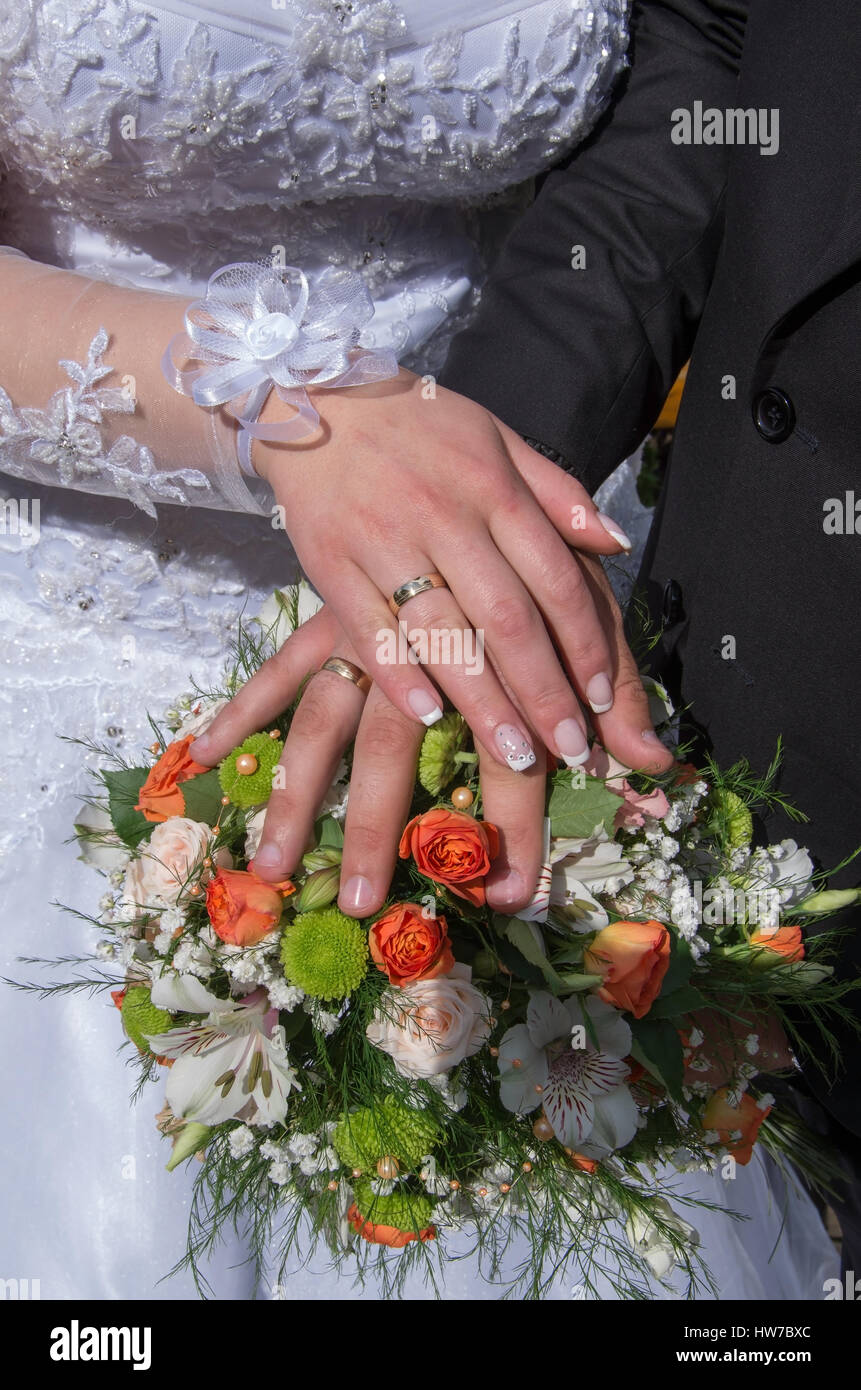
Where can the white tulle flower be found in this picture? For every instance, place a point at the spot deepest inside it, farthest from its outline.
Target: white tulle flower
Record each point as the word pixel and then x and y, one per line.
pixel 261 326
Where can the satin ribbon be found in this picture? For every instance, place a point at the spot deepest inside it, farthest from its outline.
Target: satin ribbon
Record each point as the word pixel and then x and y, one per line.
pixel 261 328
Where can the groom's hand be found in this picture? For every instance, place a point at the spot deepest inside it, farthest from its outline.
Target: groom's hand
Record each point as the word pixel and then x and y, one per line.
pixel 397 486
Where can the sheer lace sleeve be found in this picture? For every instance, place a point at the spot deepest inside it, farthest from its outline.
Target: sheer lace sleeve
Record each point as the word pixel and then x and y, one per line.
pixel 83 402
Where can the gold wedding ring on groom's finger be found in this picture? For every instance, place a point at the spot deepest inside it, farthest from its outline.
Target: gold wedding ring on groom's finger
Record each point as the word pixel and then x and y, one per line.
pixel 349 671
pixel 413 588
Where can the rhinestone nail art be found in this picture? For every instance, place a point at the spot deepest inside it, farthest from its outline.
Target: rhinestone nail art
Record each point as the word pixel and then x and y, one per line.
pixel 515 747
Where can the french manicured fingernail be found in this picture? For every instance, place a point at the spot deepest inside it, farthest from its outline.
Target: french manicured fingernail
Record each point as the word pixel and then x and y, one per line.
pixel 514 747
pixel 509 889
pixel 614 529
pixel 424 706
pixel 571 743
pixel 356 894
pixel 599 693
pixel 268 857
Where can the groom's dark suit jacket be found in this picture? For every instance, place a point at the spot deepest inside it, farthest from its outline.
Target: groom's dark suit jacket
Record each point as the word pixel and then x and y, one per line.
pixel 751 263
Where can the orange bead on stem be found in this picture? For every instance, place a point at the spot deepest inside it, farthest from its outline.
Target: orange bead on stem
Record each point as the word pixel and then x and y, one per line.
pixel 462 797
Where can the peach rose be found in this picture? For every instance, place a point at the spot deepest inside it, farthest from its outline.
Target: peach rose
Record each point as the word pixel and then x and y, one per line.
pixel 407 945
pixel 785 942
pixel 159 877
pixel 241 907
pixel 160 797
pixel 633 958
pixel 385 1235
pixel 453 849
pixel 742 1121
pixel 431 1025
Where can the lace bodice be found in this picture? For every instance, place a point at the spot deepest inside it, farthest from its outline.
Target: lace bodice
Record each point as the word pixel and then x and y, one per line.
pixel 130 116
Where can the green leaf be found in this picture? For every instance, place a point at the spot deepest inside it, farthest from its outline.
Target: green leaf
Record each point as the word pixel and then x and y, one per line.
pixel 678 1001
pixel 680 967
pixel 658 1047
pixel 202 797
pixel 574 982
pixel 520 934
pixel 124 785
pixel 330 833
pixel 293 1023
pixel 517 964
pixel 575 811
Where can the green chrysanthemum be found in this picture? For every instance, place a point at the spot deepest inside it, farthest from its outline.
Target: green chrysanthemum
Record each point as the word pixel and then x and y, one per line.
pixel 437 766
pixel 251 789
pixel 390 1129
pixel 735 816
pixel 140 1016
pixel 406 1211
pixel 325 953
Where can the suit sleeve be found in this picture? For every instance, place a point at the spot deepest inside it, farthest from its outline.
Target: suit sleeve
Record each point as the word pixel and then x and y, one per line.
pixel 580 360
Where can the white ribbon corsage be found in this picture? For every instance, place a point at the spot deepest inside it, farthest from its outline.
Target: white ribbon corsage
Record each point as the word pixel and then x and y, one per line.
pixel 261 326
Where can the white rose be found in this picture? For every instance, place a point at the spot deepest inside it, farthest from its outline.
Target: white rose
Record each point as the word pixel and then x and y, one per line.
pixel 431 1025
pixel 654 1245
pixel 100 844
pixel 176 849
pixel 199 718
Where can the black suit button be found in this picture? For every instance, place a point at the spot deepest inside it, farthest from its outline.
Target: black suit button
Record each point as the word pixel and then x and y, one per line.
pixel 672 608
pixel 774 415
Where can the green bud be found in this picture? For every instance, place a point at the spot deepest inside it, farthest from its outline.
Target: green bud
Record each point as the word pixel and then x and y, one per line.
pixel 484 966
pixel 189 1140
pixel 319 889
pixel 830 900
pixel 321 858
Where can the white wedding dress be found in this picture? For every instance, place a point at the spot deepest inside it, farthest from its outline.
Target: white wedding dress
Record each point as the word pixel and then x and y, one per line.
pixel 149 145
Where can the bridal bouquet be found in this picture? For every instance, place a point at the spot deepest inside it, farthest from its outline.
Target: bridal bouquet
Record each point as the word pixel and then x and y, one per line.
pixel 440 1073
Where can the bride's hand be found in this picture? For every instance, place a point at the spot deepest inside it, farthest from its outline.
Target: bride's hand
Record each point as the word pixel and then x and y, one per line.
pixel 333 711
pixel 396 486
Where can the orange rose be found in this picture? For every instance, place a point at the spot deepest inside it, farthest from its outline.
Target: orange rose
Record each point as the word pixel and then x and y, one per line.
pixel 241 907
pixel 633 958
pixel 159 797
pixel 786 942
pixel 406 945
pixel 453 849
pixel 385 1235
pixel 742 1120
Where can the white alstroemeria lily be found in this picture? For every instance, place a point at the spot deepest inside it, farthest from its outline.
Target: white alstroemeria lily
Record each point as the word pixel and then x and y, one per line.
pixel 582 868
pixel 181 992
pixel 581 1086
pixel 231 1064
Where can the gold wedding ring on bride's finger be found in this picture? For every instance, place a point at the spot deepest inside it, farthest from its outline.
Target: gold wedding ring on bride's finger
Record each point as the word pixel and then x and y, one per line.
pixel 413 588
pixel 349 671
